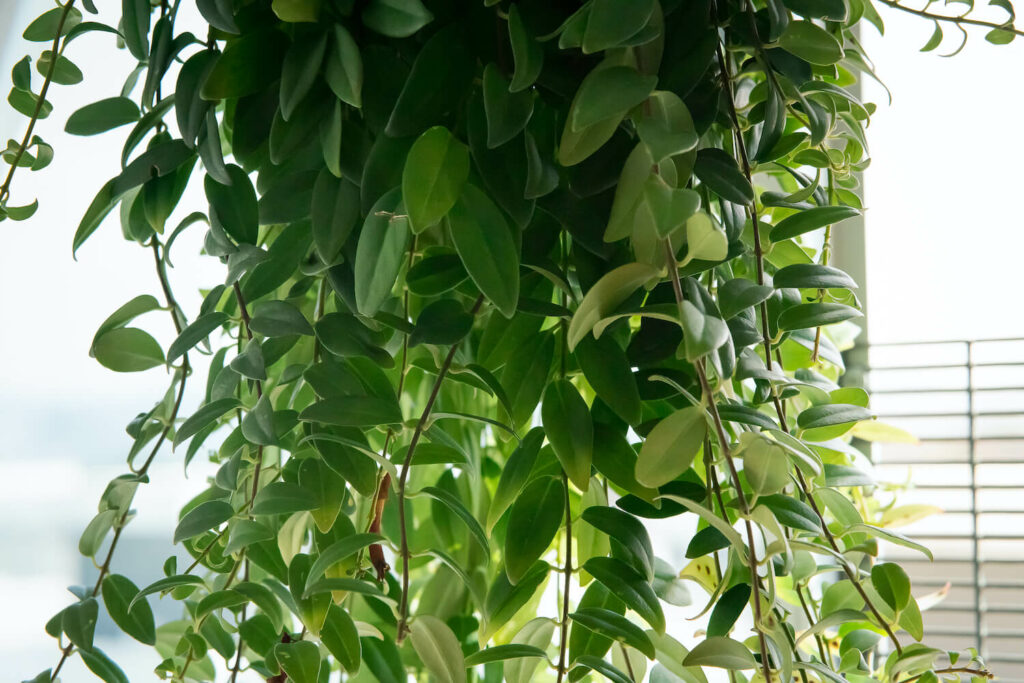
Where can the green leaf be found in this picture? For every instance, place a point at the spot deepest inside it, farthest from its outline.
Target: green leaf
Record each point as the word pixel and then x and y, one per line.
pixel 443 71
pixel 608 371
pixel 300 660
pixel 333 215
pixel 532 524
pixel 791 512
pixel 435 172
pixel 99 117
pixel 765 463
pixel 628 585
pixel 500 653
pixel 812 276
pixel 279 319
pixel 570 430
pixel 450 501
pixel 608 92
pixel 234 207
pixel 803 316
pixel 353 411
pixel 103 666
pixel 600 666
pixel 728 609
pixel 43 28
pixel 527 53
pixel 219 600
pixel 612 22
pixel 892 583
pixel 204 417
pixel 167 584
pixel 341 638
pixel 515 474
pixel 668 209
pixel 438 649
pixel 443 322
pixel 79 622
pixel 299 71
pixel 344 68
pixel 705 240
pixel 125 314
pixel 246 532
pixel 810 219
pixel 504 600
pixel 810 42
pixel 396 18
pixel 671 447
pixel 721 652
pixel 199 330
pixel 128 349
pixel 258 424
pixel 97 530
pixel 605 296
pixel 832 414
pixel 137 622
pixel 202 518
pixel 702 333
pixel 282 498
pixel 536 633
pixel 706 541
pixel 626 531
pixel 719 172
pixel 739 294
pixel 246 66
pixel 250 362
pixel 338 551
pixel 614 626
pixel 380 252
pixel 666 126
pixel 890 536
pixel 65 72
pixel 484 242
pixel 507 112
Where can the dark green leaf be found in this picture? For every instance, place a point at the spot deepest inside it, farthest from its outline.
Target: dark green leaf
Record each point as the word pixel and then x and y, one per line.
pixel 396 18
pixel 282 498
pixel 791 512
pixel 812 276
pixel 832 414
pixel 202 518
pixel 99 117
pixel 203 417
pixel 484 242
pixel 507 112
pixel 706 541
pixel 627 531
pixel 79 622
pixel 195 333
pixel 233 207
pixel 353 411
pixel 570 430
pixel 614 626
pixel 728 609
pixel 811 219
pixel 498 653
pixel 380 252
pixel 300 660
pixel 803 316
pixel 609 92
pixel 533 522
pixel 629 586
pixel 719 172
pixel 341 638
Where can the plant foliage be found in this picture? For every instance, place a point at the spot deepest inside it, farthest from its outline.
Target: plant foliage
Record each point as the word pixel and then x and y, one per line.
pixel 503 281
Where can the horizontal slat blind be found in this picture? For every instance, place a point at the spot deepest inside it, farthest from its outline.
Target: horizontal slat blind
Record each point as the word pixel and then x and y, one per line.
pixel 965 401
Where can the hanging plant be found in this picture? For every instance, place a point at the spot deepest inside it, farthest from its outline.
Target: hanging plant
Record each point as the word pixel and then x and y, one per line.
pixel 503 281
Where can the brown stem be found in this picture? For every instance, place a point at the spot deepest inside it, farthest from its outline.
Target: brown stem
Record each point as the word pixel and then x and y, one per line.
pixel 961 19
pixel 5 189
pixel 404 477
pixel 954 670
pixel 563 641
pixel 723 443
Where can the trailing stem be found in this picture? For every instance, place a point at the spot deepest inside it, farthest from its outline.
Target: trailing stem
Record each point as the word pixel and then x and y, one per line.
pixel 5 189
pixel 958 20
pixel 563 641
pixel 723 443
pixel 766 338
pixel 119 527
pixel 403 610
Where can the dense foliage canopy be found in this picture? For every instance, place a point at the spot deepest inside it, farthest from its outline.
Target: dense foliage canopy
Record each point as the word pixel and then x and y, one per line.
pixel 503 281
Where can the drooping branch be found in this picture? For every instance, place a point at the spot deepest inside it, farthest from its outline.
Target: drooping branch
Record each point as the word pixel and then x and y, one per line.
pixel 442 372
pixel 959 19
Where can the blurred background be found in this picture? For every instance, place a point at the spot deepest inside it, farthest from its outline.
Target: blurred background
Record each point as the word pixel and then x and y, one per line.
pixel 940 253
